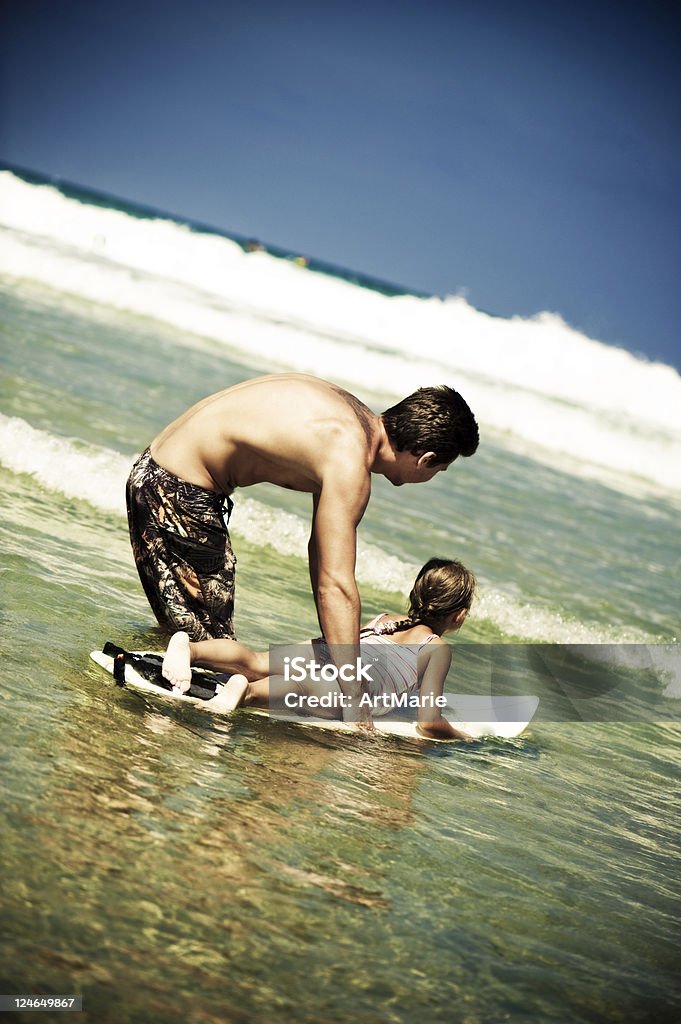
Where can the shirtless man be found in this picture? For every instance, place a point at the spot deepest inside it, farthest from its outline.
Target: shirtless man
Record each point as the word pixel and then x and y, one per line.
pixel 298 432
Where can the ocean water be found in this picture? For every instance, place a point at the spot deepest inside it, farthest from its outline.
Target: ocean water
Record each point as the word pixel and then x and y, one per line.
pixel 170 866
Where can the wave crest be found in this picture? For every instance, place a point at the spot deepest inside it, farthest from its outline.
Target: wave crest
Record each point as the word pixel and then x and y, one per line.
pixel 537 381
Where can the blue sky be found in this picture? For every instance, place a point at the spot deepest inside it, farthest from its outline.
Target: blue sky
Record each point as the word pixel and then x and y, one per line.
pixel 525 154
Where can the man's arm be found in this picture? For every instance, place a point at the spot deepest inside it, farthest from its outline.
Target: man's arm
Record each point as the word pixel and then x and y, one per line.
pixel 312 555
pixel 337 512
pixel 332 553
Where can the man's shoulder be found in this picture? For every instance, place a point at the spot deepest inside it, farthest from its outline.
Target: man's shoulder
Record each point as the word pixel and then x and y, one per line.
pixel 347 463
pixel 345 471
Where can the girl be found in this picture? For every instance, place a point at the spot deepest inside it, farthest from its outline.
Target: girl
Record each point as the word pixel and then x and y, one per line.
pixel 415 659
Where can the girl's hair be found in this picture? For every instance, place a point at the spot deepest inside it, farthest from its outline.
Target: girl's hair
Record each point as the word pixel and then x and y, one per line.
pixel 442 588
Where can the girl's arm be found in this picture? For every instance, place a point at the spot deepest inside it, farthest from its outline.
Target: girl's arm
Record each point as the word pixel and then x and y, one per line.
pixel 433 665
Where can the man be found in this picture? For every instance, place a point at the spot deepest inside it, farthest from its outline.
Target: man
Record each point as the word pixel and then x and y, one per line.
pixel 298 432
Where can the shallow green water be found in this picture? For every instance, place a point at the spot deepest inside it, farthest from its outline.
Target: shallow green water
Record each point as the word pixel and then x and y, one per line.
pixel 171 866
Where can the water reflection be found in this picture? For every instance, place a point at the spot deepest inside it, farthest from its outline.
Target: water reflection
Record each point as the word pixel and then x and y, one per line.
pixel 169 864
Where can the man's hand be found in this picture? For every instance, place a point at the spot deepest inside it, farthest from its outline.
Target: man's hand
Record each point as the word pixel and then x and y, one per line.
pixel 354 711
pixel 360 718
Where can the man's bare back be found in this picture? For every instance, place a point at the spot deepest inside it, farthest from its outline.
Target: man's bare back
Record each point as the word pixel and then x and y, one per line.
pixel 280 429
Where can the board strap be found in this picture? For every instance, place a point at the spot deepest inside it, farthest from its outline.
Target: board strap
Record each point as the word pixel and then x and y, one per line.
pixel 203 685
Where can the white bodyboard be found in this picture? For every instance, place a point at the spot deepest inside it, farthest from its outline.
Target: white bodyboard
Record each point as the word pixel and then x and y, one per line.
pixel 478 716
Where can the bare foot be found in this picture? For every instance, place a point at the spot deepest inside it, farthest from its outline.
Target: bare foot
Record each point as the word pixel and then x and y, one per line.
pixel 230 695
pixel 176 666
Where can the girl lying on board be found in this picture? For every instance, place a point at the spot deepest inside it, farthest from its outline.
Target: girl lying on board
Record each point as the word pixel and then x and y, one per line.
pixel 416 662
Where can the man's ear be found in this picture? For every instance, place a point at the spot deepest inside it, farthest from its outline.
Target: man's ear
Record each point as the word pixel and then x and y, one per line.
pixel 426 459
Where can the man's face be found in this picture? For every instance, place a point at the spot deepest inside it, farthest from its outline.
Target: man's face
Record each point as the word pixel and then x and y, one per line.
pixel 415 469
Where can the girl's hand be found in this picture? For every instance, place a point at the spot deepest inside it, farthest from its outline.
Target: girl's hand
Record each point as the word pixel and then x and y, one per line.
pixel 442 730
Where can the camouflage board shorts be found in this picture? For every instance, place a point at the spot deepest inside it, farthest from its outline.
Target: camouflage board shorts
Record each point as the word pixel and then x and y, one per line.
pixel 182 550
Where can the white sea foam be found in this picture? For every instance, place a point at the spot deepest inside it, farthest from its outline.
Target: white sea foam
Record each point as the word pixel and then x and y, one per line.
pixel 534 381
pixel 98 475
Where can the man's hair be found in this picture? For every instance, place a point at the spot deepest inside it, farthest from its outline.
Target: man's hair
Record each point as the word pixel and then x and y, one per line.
pixel 432 420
